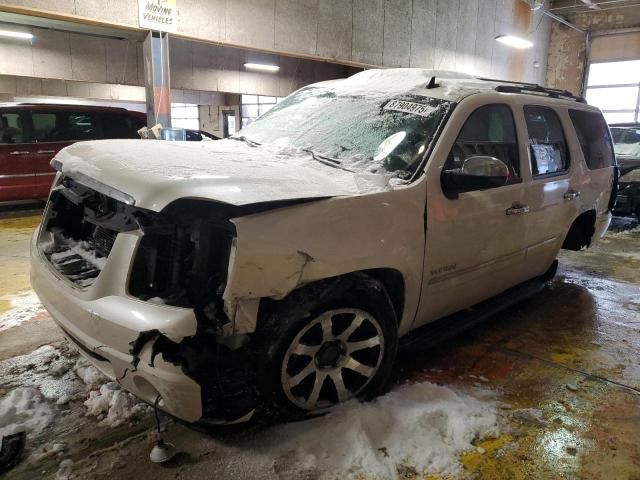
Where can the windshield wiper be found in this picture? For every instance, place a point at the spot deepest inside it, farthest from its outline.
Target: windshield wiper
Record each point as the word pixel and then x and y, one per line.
pixel 244 139
pixel 323 158
pixel 331 162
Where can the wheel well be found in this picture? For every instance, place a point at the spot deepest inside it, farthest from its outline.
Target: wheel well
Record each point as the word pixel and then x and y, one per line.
pixel 581 231
pixel 393 282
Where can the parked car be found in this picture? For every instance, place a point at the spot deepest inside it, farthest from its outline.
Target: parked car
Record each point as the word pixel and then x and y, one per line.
pixel 31 135
pixel 278 270
pixel 628 198
pixel 626 143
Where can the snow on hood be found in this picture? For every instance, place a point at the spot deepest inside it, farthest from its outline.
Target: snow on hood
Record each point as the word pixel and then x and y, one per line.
pixel 155 172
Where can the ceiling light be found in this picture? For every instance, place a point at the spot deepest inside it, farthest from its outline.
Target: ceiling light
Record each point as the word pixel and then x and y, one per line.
pixel 12 34
pixel 262 67
pixel 513 41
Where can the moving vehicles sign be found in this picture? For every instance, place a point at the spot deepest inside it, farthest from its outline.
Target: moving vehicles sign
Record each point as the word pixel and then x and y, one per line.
pixel 159 15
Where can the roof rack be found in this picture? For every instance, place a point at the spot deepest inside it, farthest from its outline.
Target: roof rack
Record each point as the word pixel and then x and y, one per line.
pixel 522 87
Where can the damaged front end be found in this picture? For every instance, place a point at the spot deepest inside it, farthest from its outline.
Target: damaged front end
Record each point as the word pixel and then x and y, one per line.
pixel 143 298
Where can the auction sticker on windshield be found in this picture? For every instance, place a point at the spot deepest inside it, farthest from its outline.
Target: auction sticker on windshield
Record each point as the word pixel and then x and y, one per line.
pixel 409 107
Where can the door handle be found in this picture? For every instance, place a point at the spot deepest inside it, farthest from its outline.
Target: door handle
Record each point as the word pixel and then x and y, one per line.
pixel 46 151
pixel 571 194
pixel 517 209
pixel 19 152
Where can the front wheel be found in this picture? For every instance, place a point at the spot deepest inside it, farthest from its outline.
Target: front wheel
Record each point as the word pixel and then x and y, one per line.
pixel 327 344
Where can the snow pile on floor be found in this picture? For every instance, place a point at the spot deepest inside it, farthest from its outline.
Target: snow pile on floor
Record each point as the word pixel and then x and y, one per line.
pixel 24 407
pixel 422 427
pixel 107 401
pixel 113 406
pixel 89 374
pixel 24 308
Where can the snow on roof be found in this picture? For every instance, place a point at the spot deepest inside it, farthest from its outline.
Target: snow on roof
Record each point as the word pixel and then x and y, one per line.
pixel 394 81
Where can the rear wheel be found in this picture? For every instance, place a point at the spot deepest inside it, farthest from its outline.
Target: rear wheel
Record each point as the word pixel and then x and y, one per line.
pixel 325 345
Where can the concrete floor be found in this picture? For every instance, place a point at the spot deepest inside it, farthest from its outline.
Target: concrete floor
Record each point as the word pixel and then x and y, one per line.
pixel 571 353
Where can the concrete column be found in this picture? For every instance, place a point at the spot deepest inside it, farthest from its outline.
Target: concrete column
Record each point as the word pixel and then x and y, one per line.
pixel 157 81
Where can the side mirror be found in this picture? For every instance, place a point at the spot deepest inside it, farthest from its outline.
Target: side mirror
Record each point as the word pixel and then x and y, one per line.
pixel 477 173
pixel 486 167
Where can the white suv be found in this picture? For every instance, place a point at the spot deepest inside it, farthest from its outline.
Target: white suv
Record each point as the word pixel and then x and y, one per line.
pixel 278 270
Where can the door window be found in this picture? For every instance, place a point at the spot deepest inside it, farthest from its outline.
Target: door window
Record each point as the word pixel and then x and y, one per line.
pixel 594 139
pixel 547 145
pixel 12 128
pixel 488 139
pixel 63 126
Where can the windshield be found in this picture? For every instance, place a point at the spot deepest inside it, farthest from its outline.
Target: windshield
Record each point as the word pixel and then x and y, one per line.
pixel 358 132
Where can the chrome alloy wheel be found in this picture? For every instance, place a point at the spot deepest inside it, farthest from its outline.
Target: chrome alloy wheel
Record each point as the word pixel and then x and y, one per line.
pixel 332 359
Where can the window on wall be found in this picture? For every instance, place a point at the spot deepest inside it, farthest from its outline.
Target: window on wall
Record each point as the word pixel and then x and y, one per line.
pixel 255 105
pixel 185 115
pixel 614 87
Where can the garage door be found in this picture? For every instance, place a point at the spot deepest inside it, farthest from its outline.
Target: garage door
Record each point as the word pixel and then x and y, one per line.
pixel 613 83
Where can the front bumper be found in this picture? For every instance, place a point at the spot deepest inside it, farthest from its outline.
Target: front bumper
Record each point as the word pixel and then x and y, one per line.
pixel 103 321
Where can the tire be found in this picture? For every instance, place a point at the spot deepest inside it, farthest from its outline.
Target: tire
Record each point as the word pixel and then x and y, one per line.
pixel 324 344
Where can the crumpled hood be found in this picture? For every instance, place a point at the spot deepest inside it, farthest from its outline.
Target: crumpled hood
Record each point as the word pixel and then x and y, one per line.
pixel 155 173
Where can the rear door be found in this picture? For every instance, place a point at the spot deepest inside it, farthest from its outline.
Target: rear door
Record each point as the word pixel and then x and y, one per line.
pixel 54 129
pixel 553 194
pixel 475 239
pixel 16 156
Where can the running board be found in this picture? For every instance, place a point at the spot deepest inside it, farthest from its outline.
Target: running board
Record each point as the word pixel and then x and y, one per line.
pixel 425 337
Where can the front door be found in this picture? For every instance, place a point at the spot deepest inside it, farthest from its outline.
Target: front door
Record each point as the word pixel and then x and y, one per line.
pixel 475 240
pixel 54 129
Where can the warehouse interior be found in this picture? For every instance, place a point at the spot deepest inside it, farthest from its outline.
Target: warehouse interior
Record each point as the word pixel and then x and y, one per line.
pixel 547 387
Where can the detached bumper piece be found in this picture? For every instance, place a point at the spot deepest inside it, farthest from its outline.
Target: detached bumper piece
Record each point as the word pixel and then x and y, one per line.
pixel 11 448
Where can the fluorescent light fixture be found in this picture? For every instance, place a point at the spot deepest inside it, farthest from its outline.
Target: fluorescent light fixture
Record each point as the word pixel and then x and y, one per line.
pixel 513 41
pixel 12 34
pixel 262 67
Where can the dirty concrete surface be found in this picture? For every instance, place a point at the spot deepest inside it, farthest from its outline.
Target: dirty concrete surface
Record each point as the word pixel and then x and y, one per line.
pixel 564 366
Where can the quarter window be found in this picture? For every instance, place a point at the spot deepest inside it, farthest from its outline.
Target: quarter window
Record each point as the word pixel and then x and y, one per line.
pixel 547 145
pixel 594 138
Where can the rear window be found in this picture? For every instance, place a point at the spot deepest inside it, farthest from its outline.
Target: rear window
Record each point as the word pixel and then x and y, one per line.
pixel 118 125
pixel 594 138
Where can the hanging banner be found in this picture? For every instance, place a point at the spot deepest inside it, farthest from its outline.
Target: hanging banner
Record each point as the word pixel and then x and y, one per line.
pixel 159 15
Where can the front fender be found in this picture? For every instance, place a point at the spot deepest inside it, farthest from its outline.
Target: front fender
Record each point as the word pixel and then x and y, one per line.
pixel 278 251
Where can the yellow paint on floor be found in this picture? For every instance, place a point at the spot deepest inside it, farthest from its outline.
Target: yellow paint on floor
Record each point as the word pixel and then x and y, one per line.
pixel 5 305
pixel 20 222
pixel 14 277
pixel 15 235
pixel 564 357
pixel 472 460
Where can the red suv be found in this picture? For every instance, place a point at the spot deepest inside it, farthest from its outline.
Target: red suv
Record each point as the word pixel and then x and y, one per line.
pixel 31 135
